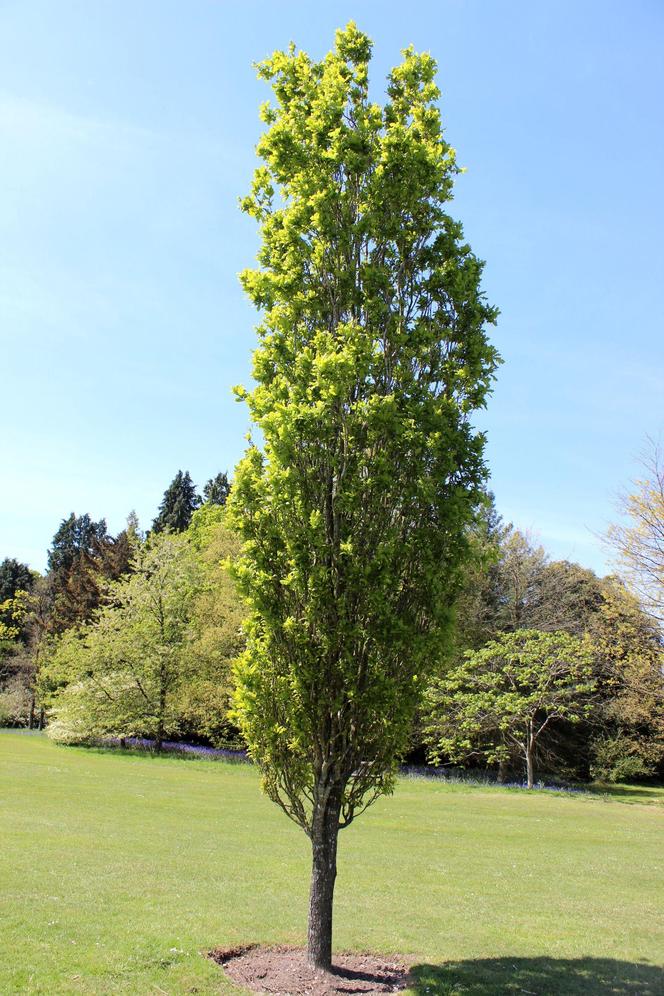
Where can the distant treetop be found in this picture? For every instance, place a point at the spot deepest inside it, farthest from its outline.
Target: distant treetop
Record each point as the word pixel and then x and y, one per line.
pixel 179 503
pixel 217 489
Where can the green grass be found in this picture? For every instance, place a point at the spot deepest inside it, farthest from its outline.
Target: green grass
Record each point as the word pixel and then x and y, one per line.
pixel 116 872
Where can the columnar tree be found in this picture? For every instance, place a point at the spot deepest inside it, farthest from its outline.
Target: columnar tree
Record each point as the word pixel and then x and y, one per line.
pixel 372 358
pixel 499 700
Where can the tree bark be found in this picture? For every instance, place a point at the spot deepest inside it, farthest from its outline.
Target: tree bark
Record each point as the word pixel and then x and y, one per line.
pixel 502 772
pixel 530 765
pixel 31 719
pixel 324 837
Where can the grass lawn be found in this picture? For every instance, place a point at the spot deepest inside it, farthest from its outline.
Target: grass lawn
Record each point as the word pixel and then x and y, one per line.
pixel 116 872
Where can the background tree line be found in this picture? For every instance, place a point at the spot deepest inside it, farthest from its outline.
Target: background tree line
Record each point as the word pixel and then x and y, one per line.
pixel 49 623
pixel 553 671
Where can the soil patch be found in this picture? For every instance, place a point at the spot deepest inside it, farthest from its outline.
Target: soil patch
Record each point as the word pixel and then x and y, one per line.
pixel 284 971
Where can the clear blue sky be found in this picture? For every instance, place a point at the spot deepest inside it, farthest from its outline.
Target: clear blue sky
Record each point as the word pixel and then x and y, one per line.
pixel 126 134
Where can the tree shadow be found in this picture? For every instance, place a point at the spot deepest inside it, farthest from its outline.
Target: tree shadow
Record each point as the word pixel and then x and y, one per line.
pixel 538 977
pixel 630 793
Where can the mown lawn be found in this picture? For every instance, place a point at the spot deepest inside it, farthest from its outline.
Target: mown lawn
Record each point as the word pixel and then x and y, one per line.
pixel 116 872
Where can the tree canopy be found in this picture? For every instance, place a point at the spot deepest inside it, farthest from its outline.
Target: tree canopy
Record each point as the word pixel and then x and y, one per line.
pixel 499 700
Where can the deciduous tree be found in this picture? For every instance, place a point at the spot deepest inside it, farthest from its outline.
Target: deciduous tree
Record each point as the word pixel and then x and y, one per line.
pixel 628 726
pixel 639 539
pixel 372 358
pixel 499 700
pixel 121 674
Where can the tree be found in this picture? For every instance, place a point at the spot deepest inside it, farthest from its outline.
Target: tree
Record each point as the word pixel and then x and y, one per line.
pixel 179 503
pixel 519 568
pixel 14 577
pixel 35 621
pixel 511 584
pixel 501 699
pixel 372 358
pixel 156 660
pixel 217 617
pixel 565 597
pixel 82 560
pixel 75 567
pixel 481 593
pixel 120 675
pixel 639 541
pixel 627 734
pixel 76 535
pixel 217 489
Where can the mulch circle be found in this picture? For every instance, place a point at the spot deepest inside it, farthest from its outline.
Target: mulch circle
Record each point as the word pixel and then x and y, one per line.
pixel 283 971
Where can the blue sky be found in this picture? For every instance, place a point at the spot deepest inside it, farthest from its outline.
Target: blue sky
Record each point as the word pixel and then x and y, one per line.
pixel 126 135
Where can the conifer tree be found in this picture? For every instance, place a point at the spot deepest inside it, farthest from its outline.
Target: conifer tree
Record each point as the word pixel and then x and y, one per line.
pixel 217 489
pixel 179 503
pixel 74 562
pixel 14 576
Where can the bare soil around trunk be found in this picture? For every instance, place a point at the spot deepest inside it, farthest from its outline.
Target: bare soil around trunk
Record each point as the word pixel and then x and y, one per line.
pixel 284 971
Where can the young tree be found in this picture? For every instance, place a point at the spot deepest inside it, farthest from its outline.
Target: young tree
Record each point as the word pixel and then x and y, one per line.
pixel 179 503
pixel 217 489
pixel 499 700
pixel 372 358
pixel 121 675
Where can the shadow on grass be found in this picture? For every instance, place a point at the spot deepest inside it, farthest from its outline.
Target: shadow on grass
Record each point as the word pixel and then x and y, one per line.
pixel 539 977
pixel 630 793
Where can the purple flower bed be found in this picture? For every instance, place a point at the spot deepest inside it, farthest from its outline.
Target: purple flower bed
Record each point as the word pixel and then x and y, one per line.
pixel 453 776
pixel 460 777
pixel 186 750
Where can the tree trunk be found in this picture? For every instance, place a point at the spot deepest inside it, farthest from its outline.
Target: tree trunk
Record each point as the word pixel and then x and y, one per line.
pixel 529 764
pixel 159 738
pixel 31 719
pixel 502 772
pixel 41 719
pixel 325 833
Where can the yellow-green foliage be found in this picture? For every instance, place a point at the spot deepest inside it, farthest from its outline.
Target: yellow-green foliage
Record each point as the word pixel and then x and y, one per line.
pixel 156 660
pixel 372 356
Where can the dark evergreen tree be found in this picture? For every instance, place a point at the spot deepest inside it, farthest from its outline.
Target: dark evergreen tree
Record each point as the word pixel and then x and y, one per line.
pixel 179 503
pixel 83 558
pixel 14 576
pixel 217 489
pixel 77 535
